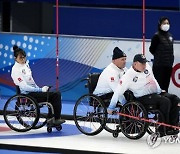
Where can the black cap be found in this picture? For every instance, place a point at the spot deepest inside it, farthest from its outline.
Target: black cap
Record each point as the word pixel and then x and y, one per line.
pixel 140 58
pixel 118 53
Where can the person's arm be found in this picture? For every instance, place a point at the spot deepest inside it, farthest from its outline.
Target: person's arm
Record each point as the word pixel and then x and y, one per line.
pixel 157 85
pixel 154 44
pixel 119 91
pixel 19 80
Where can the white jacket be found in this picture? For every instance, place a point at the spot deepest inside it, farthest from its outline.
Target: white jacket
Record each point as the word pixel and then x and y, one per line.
pixel 22 77
pixel 109 79
pixel 140 83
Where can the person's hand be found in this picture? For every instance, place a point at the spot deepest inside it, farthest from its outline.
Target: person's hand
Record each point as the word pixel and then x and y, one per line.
pixel 163 92
pixel 45 88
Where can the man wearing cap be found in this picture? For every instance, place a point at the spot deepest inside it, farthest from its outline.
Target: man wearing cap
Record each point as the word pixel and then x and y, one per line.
pixel 109 78
pixel 140 80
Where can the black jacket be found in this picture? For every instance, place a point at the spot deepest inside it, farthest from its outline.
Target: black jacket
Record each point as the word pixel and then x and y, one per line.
pixel 162 49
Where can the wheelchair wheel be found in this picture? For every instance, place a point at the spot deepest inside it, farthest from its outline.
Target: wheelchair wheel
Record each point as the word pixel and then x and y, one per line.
pixel 41 122
pixel 43 116
pixel 21 113
pixel 90 114
pixel 112 123
pixel 133 128
pixel 155 116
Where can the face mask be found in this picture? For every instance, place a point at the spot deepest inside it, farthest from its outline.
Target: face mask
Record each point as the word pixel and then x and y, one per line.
pixel 165 27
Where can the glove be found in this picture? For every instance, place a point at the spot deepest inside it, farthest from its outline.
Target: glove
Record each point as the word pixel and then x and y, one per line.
pixel 45 88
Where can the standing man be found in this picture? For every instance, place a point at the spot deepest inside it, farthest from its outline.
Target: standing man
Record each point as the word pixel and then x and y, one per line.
pixel 111 75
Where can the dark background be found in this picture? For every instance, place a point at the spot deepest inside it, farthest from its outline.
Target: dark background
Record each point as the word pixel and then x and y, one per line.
pixel 109 18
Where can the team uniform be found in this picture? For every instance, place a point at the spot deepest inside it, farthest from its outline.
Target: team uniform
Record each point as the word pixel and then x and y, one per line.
pixel 22 77
pixel 135 82
pixel 147 90
pixel 109 79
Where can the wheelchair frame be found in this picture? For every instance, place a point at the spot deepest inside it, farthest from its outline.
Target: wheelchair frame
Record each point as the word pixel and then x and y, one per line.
pixel 22 113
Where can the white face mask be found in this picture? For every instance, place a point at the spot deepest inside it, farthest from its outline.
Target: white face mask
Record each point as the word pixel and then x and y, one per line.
pixel 165 27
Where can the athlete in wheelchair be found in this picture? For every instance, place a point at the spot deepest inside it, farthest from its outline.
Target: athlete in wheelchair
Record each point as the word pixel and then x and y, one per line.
pixel 109 80
pixel 23 111
pixel 90 114
pixel 140 80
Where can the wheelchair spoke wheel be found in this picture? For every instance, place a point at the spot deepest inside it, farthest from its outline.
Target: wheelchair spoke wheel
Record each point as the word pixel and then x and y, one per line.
pixel 133 128
pixel 41 122
pixel 21 113
pixel 154 116
pixel 90 114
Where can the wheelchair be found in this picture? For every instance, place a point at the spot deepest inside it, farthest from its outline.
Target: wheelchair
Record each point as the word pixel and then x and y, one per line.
pixel 22 113
pixel 91 117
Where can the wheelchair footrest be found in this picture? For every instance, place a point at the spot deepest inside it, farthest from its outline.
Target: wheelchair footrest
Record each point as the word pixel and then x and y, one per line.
pixel 53 123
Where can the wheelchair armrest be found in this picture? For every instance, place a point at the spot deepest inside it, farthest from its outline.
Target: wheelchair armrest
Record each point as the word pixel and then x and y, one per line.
pixel 85 79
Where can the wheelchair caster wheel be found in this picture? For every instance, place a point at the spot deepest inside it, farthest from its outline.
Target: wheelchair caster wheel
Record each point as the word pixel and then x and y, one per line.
pixel 49 129
pixel 59 128
pixel 115 134
pixel 154 137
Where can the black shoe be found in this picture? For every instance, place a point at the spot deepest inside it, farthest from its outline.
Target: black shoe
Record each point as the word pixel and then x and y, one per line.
pixel 59 121
pixel 161 131
pixel 172 132
pixel 161 134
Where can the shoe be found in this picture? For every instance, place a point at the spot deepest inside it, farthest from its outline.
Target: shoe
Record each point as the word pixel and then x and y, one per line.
pixel 59 121
pixel 162 134
pixel 172 132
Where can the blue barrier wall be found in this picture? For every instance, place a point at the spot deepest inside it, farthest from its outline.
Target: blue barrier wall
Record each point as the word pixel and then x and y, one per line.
pixel 121 23
pixel 78 56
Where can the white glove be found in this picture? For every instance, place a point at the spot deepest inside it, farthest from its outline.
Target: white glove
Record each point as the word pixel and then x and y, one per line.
pixel 45 88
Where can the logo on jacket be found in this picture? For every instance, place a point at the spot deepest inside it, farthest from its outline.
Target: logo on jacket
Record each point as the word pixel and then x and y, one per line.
pixel 112 79
pixel 120 82
pixel 170 38
pixel 20 80
pixel 146 71
pixel 24 71
pixel 135 79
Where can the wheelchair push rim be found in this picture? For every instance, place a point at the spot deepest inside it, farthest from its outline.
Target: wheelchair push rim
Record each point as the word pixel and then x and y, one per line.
pixel 21 113
pixel 90 114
